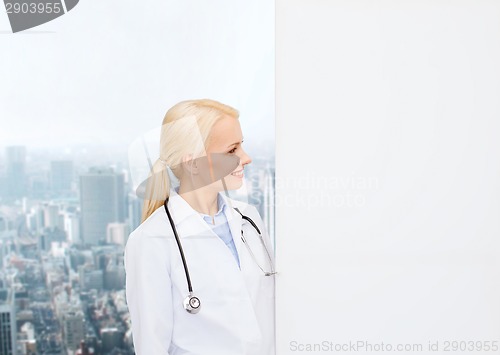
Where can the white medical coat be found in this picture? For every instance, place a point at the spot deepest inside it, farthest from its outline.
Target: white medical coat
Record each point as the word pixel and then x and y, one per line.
pixel 237 314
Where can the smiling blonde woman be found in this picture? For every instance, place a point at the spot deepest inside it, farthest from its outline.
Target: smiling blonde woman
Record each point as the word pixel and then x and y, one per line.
pixel 200 267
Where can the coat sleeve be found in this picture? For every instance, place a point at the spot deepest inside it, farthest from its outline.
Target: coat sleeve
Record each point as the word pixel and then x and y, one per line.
pixel 149 293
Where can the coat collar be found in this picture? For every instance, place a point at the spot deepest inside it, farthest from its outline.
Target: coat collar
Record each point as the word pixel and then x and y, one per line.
pixel 190 222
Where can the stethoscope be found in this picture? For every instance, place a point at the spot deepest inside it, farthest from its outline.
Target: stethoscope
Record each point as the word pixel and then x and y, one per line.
pixel 192 303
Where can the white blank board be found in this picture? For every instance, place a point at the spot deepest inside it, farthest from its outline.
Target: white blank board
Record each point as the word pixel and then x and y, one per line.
pixel 388 176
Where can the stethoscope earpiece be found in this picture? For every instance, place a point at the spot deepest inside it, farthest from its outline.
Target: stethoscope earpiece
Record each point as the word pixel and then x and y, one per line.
pixel 192 304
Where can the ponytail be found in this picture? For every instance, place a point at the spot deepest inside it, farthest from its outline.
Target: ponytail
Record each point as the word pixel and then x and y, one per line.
pixel 157 189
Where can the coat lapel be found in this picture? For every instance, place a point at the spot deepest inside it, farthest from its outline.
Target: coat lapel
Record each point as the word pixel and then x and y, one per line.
pixel 188 222
pixel 235 221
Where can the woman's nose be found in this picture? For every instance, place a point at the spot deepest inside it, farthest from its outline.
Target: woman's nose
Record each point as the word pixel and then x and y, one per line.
pixel 245 158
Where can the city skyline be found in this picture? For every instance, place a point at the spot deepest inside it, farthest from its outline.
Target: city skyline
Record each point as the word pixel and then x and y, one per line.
pixel 67 280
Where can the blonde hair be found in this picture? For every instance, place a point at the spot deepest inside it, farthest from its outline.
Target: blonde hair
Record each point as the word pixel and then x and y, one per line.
pixel 186 129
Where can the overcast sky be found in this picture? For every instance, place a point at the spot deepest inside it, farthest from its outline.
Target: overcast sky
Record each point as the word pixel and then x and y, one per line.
pixel 108 70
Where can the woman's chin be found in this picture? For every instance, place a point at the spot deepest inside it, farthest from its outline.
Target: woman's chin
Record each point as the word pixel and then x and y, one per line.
pixel 233 182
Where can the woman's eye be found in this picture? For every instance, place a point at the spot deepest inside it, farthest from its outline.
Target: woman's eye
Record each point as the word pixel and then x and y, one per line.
pixel 232 150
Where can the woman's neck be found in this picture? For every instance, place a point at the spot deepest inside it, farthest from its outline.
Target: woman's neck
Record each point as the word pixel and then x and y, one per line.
pixel 202 200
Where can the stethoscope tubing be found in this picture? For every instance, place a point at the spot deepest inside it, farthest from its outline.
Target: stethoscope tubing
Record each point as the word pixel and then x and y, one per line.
pixel 184 263
pixel 261 240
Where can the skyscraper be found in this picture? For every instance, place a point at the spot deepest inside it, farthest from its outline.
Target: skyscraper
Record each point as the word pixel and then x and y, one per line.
pixel 61 176
pixel 15 170
pixel 134 211
pixel 7 323
pixel 73 328
pixel 51 216
pixel 72 227
pixel 102 202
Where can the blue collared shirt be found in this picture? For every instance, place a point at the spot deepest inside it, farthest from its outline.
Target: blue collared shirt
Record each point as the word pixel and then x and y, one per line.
pixel 221 226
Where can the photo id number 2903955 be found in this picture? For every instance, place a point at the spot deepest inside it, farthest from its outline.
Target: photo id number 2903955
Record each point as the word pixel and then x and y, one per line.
pixel 470 345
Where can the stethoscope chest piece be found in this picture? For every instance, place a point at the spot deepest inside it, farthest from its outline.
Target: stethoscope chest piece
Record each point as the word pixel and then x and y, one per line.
pixel 192 304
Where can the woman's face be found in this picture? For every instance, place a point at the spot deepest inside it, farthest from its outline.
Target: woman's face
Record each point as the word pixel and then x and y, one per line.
pixel 226 138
